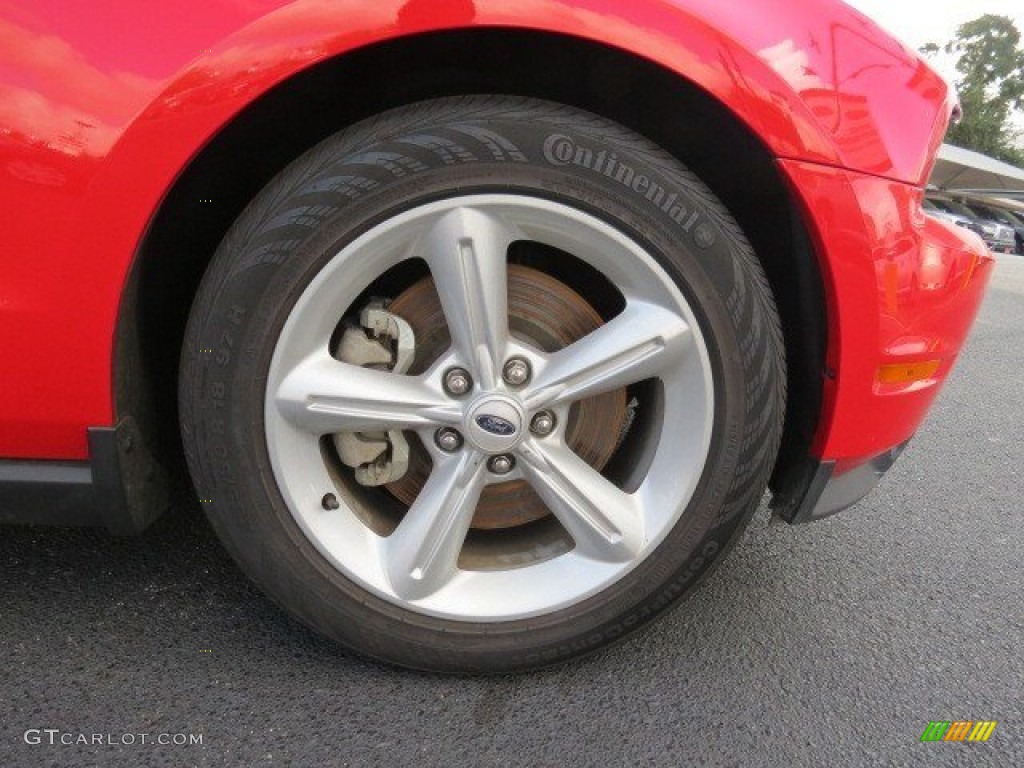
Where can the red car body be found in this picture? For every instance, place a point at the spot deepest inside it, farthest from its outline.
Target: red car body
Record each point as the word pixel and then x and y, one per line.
pixel 105 108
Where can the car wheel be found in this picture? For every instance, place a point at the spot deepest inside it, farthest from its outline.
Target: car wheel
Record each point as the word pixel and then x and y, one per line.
pixel 481 384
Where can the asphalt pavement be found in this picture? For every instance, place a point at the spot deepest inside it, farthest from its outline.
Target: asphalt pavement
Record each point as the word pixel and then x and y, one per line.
pixel 832 644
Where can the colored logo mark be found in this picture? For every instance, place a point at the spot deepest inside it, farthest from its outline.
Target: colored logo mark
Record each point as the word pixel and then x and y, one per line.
pixel 959 730
pixel 496 425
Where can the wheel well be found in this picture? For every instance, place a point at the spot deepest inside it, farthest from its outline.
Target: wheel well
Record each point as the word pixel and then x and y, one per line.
pixel 217 184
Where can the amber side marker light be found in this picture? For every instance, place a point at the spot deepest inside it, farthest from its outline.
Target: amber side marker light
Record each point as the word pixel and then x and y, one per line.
pixel 902 373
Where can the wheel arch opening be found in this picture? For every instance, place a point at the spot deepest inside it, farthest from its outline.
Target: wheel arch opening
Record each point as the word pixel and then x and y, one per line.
pixel 298 113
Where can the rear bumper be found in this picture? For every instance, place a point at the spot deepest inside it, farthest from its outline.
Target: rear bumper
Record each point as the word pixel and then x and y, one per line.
pixel 902 291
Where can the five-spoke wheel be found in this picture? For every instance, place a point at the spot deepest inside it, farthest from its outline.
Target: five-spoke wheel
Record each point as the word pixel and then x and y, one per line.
pixel 509 424
pixel 481 384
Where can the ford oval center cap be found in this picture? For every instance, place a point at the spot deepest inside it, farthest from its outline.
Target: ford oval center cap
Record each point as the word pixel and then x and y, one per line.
pixel 495 423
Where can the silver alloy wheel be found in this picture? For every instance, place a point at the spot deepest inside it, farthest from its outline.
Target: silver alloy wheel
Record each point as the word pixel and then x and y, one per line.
pixel 464 241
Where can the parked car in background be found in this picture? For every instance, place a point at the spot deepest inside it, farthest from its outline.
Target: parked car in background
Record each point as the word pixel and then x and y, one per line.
pixel 967 222
pixel 998 237
pixel 480 328
pixel 1003 217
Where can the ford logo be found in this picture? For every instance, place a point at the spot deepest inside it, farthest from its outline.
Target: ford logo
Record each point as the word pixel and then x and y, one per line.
pixel 496 425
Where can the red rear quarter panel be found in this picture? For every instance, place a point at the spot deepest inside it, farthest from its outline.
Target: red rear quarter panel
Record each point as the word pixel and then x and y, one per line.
pixel 103 104
pixel 906 290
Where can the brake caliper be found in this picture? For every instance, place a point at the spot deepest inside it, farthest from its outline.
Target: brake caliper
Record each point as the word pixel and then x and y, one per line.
pixel 383 341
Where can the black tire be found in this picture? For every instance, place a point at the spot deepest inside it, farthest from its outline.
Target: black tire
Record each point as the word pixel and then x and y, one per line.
pixel 302 218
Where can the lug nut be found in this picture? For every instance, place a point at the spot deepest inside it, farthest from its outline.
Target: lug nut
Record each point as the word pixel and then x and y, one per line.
pixel 448 439
pixel 516 371
pixel 329 501
pixel 501 464
pixel 457 381
pixel 542 423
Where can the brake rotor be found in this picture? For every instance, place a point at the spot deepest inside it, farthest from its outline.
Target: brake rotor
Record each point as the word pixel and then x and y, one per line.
pixel 548 315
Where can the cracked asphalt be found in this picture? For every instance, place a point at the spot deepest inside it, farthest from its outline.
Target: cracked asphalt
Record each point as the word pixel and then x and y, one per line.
pixel 831 644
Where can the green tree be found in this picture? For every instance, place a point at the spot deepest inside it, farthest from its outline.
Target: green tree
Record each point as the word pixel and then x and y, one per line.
pixel 990 63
